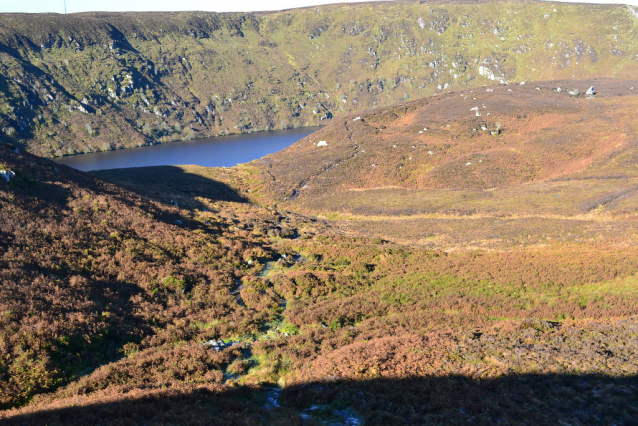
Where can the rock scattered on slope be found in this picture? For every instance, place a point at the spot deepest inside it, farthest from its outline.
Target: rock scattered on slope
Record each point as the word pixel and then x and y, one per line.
pixel 219 345
pixel 7 175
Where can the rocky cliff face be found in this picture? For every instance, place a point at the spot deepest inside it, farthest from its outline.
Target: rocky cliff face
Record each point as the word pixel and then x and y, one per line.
pixel 90 82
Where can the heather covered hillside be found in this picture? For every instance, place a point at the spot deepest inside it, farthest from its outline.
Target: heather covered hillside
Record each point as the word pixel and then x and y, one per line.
pixel 494 166
pixel 458 245
pixel 92 273
pixel 253 309
pixel 92 82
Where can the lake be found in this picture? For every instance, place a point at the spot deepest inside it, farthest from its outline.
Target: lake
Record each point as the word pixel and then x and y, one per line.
pixel 225 151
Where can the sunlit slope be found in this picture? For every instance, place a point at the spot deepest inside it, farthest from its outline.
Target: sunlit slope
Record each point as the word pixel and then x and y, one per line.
pixel 485 139
pixel 91 82
pixel 184 294
pixel 495 166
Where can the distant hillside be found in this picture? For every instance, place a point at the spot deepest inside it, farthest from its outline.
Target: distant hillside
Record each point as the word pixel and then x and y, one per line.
pixel 481 139
pixel 90 82
pixel 555 163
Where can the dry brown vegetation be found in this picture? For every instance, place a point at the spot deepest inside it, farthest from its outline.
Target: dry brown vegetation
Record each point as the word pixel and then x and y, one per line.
pixel 427 294
pixel 92 273
pixel 559 167
pixel 531 134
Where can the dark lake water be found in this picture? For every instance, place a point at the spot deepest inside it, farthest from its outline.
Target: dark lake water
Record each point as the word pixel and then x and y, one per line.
pixel 225 151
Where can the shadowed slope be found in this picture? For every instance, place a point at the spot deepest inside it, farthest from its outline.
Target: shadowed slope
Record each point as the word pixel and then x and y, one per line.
pixel 173 183
pixel 91 271
pixel 450 399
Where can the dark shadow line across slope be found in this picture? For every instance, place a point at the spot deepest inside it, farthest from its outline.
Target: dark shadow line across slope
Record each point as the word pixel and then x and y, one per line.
pixel 453 399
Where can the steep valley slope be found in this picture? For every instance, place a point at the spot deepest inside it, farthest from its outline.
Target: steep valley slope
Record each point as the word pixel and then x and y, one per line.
pixel 393 275
pixel 99 81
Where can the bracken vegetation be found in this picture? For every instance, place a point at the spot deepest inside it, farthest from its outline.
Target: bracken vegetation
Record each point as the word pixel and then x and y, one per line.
pixel 92 273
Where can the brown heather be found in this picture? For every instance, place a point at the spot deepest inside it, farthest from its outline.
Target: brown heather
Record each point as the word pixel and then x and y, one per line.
pixel 419 291
pixel 89 269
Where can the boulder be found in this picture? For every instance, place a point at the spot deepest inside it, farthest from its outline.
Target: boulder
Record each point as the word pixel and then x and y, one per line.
pixel 216 345
pixel 219 345
pixel 7 175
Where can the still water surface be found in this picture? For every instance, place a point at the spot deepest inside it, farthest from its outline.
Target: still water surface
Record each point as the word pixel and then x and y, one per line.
pixel 226 151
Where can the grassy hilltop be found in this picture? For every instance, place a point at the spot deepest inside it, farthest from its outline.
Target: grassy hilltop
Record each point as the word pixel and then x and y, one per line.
pixel 90 82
